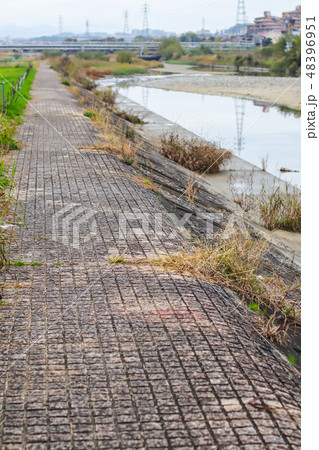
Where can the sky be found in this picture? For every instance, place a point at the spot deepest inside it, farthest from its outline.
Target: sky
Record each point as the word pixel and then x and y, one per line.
pixel 42 16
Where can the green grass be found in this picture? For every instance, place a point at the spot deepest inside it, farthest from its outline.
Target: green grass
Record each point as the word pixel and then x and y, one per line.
pixel 181 62
pixel 65 82
pixel 116 259
pixel 90 114
pixel 292 359
pixel 23 263
pixel 8 215
pixel 11 75
pixel 253 306
pixel 128 70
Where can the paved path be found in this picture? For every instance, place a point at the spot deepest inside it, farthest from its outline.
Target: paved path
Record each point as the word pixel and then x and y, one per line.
pixel 102 356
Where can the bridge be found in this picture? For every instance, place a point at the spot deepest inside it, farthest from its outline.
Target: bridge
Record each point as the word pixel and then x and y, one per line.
pixel 114 46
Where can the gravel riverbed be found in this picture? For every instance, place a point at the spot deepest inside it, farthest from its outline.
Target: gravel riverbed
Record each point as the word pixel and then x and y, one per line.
pixel 282 91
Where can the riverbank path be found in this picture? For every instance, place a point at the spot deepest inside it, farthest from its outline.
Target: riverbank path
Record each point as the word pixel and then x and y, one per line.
pixel 96 355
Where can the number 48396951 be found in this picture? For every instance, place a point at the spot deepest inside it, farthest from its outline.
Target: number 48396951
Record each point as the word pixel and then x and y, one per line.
pixel 310 44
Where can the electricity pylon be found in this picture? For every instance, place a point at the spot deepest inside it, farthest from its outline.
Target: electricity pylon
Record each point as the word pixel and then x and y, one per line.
pixel 240 115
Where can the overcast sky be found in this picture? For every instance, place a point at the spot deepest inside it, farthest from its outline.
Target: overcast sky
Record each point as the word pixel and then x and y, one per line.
pixel 108 16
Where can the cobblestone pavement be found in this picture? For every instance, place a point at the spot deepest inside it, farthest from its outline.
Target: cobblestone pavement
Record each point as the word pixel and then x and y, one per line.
pixel 94 355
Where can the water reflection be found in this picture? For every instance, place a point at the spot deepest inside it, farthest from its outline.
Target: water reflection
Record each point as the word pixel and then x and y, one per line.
pixel 253 130
pixel 240 115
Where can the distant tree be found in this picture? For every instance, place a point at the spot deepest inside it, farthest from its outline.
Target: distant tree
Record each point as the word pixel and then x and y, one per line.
pixel 267 42
pixel 293 57
pixel 124 57
pixel 190 36
pixel 139 39
pixel 239 61
pixel 279 68
pixel 279 49
pixel 170 48
pixel 250 60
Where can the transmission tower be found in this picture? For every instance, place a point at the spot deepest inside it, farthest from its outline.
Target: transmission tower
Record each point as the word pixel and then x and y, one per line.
pixel 126 28
pixel 241 12
pixel 87 28
pixel 240 115
pixel 145 20
pixel 60 25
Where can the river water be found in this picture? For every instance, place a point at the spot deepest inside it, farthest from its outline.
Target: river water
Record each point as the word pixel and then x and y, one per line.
pixel 252 130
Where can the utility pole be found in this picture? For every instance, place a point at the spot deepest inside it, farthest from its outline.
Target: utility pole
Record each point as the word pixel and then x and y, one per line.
pixel 145 20
pixel 126 28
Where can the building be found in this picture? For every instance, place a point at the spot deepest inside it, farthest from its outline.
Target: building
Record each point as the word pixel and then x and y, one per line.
pixel 292 20
pixel 268 23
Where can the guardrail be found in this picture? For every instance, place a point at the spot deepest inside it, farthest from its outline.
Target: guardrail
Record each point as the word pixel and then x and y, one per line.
pixel 10 94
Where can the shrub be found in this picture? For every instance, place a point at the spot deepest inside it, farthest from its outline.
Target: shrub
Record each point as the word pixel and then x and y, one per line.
pixel 86 83
pixel 64 65
pixel 92 55
pixel 65 82
pixel 194 154
pixel 132 118
pixel 171 48
pixel 108 96
pixel 130 134
pixel 124 57
pixel 129 150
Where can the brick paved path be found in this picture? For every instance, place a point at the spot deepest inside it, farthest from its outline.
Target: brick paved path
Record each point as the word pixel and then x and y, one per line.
pixel 94 355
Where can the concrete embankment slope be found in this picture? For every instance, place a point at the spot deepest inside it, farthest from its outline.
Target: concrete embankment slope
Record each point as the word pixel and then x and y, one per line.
pixel 94 355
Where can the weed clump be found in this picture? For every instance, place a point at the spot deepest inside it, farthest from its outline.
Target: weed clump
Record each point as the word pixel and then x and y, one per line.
pixel 132 118
pixel 7 130
pixel 8 214
pixel 108 96
pixel 194 154
pixel 90 114
pixel 281 209
pixel 117 259
pixel 65 82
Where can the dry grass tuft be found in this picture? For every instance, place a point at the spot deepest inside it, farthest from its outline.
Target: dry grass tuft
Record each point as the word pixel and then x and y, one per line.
pixel 281 209
pixel 237 263
pixel 74 90
pixel 192 188
pixel 145 182
pixel 194 154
